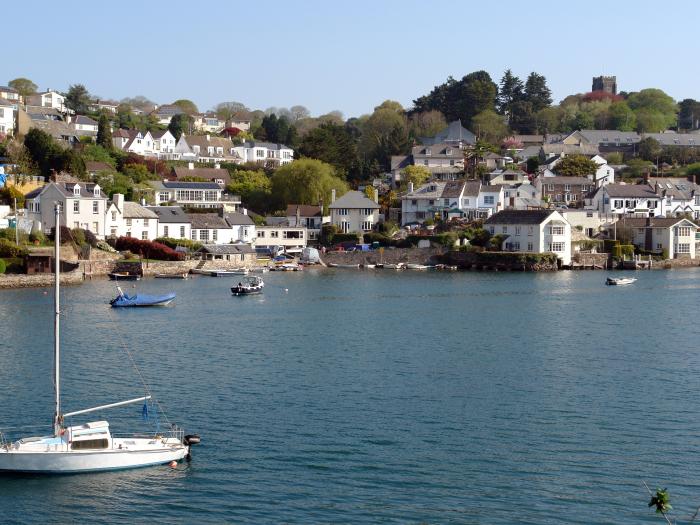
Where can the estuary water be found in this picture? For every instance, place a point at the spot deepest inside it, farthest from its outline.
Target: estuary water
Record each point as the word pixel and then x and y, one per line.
pixel 342 396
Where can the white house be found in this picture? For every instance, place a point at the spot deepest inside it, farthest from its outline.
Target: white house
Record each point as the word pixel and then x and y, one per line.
pixel 309 217
pixel 522 196
pixel 206 148
pixel 163 144
pixel 49 99
pixel 491 198
pixel 675 236
pixel 139 142
pixel 533 231
pixel 210 228
pixel 242 226
pixel 605 174
pixel 130 219
pixel 8 116
pixel 292 238
pixel 173 222
pixel 354 212
pixel 83 125
pixel 83 206
pixel 590 222
pixel 678 196
pixel 8 93
pixel 208 123
pixel 635 200
pixel 265 153
pixel 194 195
pixel 435 198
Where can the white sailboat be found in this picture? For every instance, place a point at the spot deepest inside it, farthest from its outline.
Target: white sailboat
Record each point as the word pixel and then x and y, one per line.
pixel 88 447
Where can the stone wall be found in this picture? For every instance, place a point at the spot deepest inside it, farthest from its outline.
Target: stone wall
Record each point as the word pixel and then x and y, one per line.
pixel 501 261
pixel 601 260
pixel 38 279
pixel 388 256
pixel 99 268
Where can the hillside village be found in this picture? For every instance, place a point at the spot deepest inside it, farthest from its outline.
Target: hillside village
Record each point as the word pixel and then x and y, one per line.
pixel 232 177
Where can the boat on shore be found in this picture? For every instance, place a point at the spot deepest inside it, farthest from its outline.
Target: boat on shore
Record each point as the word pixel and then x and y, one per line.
pixel 397 266
pixel 124 276
pixel 88 447
pixel 336 265
pixel 171 276
pixel 620 281
pixel 414 266
pixel 249 286
pixel 368 266
pixel 123 300
pixel 287 268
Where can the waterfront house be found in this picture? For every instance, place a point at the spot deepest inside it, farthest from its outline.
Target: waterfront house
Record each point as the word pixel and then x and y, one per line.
pixel 244 254
pixel 264 153
pixel 634 200
pixel 354 212
pixel 216 174
pixel 533 231
pixel 672 236
pixel 242 226
pixel 491 198
pixel 434 199
pixel 292 238
pixel 83 206
pixel 130 219
pixel 309 217
pixel 210 228
pixel 522 196
pixel 590 222
pixel 570 191
pixel 173 222
pixel 194 195
pixel 679 197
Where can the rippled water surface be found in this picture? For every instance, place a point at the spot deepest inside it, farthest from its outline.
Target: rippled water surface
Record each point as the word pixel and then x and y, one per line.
pixel 342 396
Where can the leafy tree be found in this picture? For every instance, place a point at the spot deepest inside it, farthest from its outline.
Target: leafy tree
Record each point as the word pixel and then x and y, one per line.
pixel 254 187
pixel 305 181
pixel 537 92
pixel 332 144
pixel 622 117
pixel 653 121
pixel 689 114
pixel 24 87
pixel 649 149
pixel 299 112
pixel 138 173
pixel 489 126
pixel 98 153
pixel 78 98
pixel 426 124
pixel 614 157
pixel 575 166
pixel 187 106
pixel 138 102
pixel 49 156
pixel 417 174
pixel 637 167
pixel 384 133
pixel 292 139
pixel 180 124
pixel 226 110
pixel 655 110
pixel 522 117
pixel 104 133
pixel 510 91
pixel 532 165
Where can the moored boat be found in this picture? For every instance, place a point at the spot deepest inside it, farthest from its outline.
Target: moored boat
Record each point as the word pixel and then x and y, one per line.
pixel 619 281
pixel 171 276
pixel 124 276
pixel 124 300
pixel 397 266
pixel 248 286
pixel 414 266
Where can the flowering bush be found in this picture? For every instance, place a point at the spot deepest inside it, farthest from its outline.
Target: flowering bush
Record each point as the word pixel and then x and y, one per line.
pixel 148 249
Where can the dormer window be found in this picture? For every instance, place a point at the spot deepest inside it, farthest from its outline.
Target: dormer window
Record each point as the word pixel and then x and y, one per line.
pixel 427 151
pixel 448 151
pixel 76 190
pixel 96 191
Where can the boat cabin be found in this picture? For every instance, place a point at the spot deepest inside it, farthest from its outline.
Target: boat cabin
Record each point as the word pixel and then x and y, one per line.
pixel 90 436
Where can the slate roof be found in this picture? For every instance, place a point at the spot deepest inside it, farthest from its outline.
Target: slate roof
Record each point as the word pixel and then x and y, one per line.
pixel 400 161
pixel 491 188
pixel 630 190
pixel 654 222
pixel 207 221
pixel 675 139
pixel 305 210
pixel 519 217
pixel 82 119
pixel 607 136
pixel 236 219
pixel 679 189
pixel 8 89
pixel 95 166
pixel 570 149
pixel 189 185
pixel 566 180
pixel 437 150
pixel 56 128
pixel 180 172
pixel 226 249
pixel 354 199
pixel 170 214
pixel 471 188
pixel 453 189
pixel 133 210
pixel 168 110
pixel 454 132
pixel 268 145
pixel 87 190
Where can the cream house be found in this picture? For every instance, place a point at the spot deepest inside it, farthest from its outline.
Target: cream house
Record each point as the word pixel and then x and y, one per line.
pixel 674 236
pixel 354 212
pixel 533 231
pixel 173 222
pixel 130 219
pixel 83 206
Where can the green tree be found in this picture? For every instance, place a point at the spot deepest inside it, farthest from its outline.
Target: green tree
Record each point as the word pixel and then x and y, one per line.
pixel 189 107
pixel 49 156
pixel 97 153
pixel 689 114
pixel 104 133
pixel 254 187
pixel 649 149
pixel 24 87
pixel 226 110
pixel 575 166
pixel 655 110
pixel 622 117
pixel 522 117
pixel 180 124
pixel 384 133
pixel 417 174
pixel 332 144
pixel 510 91
pixel 78 98
pixel 113 182
pixel 489 126
pixel 305 181
pixel 426 124
pixel 138 173
pixel 653 121
pixel 537 92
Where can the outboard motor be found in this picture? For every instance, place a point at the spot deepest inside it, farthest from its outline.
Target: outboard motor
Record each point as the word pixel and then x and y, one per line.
pixel 189 440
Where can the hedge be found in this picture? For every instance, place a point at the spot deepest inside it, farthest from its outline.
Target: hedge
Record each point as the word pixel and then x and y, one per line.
pixel 192 246
pixel 3 266
pixel 151 250
pixel 10 249
pixel 621 250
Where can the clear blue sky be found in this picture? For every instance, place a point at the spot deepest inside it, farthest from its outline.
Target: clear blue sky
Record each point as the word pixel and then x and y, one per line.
pixel 349 56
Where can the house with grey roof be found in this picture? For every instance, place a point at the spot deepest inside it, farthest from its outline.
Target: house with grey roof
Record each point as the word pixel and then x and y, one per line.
pixel 679 197
pixel 206 148
pixel 672 236
pixel 243 226
pixel 83 205
pixel 445 161
pixel 164 144
pixel 435 199
pixel 532 231
pixel 194 195
pixel 568 191
pixel 173 222
pixel 265 153
pixel 130 219
pixel 84 126
pixel 241 254
pixel 454 134
pixel 354 212
pixel 165 113
pixel 633 200
pixel 216 174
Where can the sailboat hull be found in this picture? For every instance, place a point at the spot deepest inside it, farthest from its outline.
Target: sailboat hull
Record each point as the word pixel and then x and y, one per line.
pixel 76 462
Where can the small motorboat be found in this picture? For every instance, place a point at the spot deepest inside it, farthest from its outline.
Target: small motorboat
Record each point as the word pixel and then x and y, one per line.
pixel 336 265
pixel 171 276
pixel 124 300
pixel 619 281
pixel 413 266
pixel 369 266
pixel 260 269
pixel 248 286
pixel 287 268
pixel 124 276
pixel 397 266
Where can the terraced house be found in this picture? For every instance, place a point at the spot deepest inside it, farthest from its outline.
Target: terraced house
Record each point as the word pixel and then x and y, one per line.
pixel 570 191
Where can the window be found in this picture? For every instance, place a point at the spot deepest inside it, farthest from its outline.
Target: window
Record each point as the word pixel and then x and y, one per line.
pixel 95 207
pixel 163 196
pixel 488 199
pixel 367 211
pixel 651 204
pixel 557 247
pixel 683 248
pixel 617 203
pixel 193 235
pixel 274 235
pixel 89 444
pixel 431 202
pixel 260 153
pixel 145 222
pixel 113 231
pixel 556 230
pixel 128 234
pixel 144 235
pixel 659 246
pixel 529 247
pixel 517 230
pixel 567 187
pixel 76 224
pixel 505 229
pixel 95 227
pixel 342 211
pixel 261 234
pixel 446 202
pixel 215 235
pixel 345 226
pixel 492 230
pixel 640 231
pixel 550 187
pixel 76 190
pixel 76 206
pixel 182 232
pixel 684 231
pixel 414 202
pixel 114 216
pixel 465 202
pixel 165 231
pixel 292 234
pixel 128 222
pixel 203 235
pixel 530 230
pixel 427 151
pixel 366 226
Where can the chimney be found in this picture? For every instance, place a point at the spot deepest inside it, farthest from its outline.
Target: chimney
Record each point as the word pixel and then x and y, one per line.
pixel 217 165
pixel 332 195
pixel 244 211
pixel 143 201
pixel 410 187
pixel 207 137
pixel 190 165
pixel 118 200
pixel 646 177
pixel 376 195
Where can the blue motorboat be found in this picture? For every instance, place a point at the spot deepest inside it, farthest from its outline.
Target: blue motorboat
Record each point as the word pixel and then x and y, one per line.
pixel 122 299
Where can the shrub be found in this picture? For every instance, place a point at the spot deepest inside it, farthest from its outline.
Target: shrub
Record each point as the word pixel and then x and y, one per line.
pixel 627 250
pixel 148 249
pixel 3 266
pixel 664 254
pixel 78 236
pixel 37 236
pixel 66 235
pixel 90 238
pixel 192 246
pixel 10 249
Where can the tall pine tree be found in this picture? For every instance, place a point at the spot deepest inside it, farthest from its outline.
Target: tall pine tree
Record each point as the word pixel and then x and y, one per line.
pixel 510 92
pixel 104 133
pixel 537 93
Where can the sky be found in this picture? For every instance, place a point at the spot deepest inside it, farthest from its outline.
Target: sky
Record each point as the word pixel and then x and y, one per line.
pixel 346 55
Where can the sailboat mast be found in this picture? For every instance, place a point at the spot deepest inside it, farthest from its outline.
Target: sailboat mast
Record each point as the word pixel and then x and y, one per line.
pixel 57 419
